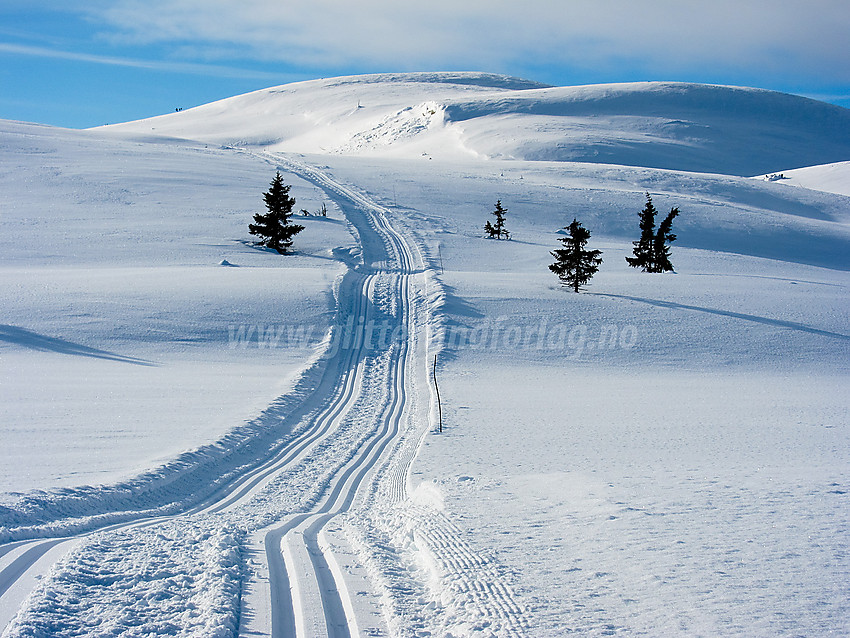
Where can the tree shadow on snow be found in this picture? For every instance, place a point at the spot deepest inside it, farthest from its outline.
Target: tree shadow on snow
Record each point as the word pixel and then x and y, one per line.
pixel 34 341
pixel 779 323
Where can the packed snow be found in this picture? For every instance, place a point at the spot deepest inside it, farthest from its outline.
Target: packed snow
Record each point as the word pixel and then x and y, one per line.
pixel 662 454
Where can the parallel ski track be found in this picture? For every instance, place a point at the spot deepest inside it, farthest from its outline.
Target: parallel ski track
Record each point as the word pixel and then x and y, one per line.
pixel 21 562
pixel 474 579
pixel 316 607
pixel 309 602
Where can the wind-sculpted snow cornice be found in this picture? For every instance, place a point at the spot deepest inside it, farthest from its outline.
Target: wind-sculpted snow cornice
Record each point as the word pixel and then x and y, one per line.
pixel 466 78
pixel 660 99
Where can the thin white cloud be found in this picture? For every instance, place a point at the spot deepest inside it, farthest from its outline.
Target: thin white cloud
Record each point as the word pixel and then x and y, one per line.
pixel 656 36
pixel 171 67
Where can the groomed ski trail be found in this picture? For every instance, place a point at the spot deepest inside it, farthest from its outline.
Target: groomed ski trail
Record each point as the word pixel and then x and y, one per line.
pixel 321 603
pixel 354 437
pixel 307 589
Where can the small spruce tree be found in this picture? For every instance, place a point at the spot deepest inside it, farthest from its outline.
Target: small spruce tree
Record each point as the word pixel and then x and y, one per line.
pixel 651 252
pixel 498 229
pixel 644 247
pixel 274 228
pixel 574 265
pixel 662 240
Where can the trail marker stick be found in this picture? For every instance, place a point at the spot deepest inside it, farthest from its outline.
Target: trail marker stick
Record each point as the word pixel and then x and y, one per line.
pixel 437 388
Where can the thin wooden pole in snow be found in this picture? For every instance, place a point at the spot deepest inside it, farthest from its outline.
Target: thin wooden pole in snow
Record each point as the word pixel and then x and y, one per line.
pixel 437 388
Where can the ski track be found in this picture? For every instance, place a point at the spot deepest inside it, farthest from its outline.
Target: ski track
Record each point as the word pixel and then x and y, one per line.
pixel 358 435
pixel 479 593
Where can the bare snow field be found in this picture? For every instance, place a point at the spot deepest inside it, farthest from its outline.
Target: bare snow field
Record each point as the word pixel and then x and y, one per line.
pixel 203 438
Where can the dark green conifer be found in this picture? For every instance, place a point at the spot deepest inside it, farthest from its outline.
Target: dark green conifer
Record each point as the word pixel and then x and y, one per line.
pixel 574 265
pixel 651 252
pixel 274 228
pixel 498 229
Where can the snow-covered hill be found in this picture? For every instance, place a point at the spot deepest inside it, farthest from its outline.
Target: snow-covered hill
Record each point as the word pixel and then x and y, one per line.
pixel 709 129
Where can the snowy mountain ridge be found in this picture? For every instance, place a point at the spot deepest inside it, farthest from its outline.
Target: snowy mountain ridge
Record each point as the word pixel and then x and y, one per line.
pixel 680 126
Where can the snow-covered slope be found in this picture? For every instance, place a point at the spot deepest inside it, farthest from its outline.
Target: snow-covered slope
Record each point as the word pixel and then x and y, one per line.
pixel 831 178
pixel 352 114
pixel 117 327
pixel 690 127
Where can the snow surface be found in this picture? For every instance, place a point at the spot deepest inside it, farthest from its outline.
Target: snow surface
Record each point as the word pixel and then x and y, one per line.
pixel 659 455
pixel 118 319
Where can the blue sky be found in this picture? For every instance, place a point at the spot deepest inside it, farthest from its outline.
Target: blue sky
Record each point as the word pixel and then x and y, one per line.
pixel 92 62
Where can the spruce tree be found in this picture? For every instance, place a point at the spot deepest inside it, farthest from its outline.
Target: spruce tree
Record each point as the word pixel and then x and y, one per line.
pixel 662 238
pixel 498 229
pixel 274 228
pixel 651 252
pixel 574 265
pixel 644 247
